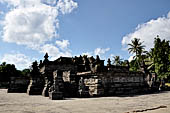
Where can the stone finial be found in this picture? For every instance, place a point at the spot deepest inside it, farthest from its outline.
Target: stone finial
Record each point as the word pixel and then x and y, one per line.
pixel 46 56
pixel 97 58
pixel 108 62
pixel 46 59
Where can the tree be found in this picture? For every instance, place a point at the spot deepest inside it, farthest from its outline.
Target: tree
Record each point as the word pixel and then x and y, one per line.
pixel 136 47
pixel 161 58
pixel 117 61
pixel 7 71
pixel 26 72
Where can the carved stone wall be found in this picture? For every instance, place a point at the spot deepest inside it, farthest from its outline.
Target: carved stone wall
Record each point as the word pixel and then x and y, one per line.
pixel 113 83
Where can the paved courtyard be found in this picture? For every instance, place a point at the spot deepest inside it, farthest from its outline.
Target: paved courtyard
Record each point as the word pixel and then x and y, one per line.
pixel 22 103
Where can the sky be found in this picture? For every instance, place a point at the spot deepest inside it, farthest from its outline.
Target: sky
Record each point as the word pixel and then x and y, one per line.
pixel 30 28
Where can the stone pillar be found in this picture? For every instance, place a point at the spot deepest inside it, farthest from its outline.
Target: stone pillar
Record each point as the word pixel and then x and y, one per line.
pixel 83 90
pixel 56 90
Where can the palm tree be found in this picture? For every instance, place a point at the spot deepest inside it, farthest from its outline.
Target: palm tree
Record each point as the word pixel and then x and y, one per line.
pixel 137 48
pixel 117 61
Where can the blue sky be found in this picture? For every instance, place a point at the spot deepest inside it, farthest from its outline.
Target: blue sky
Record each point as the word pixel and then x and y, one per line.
pixel 30 28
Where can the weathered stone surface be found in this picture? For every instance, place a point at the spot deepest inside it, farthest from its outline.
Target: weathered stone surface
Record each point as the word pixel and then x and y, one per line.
pixel 87 76
pixel 48 84
pixel 56 95
pixel 56 90
pixel 22 103
pixel 35 87
pixel 18 85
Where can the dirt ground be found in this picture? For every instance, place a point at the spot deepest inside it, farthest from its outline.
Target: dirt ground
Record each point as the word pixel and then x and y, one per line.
pixel 23 103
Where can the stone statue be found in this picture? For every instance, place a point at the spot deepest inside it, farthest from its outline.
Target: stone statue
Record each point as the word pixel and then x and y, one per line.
pixel 109 62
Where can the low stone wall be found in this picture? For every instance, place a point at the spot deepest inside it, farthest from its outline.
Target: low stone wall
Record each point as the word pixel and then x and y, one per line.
pixel 117 83
pixel 4 85
pixel 18 85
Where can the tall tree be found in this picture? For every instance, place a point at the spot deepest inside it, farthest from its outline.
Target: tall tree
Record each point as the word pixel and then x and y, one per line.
pixel 136 47
pixel 161 58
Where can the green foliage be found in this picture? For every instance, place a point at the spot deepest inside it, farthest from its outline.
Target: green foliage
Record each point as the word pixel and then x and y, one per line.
pixel 7 71
pixel 136 48
pixel 117 61
pixel 156 60
pixel 26 72
pixel 161 58
pixel 134 66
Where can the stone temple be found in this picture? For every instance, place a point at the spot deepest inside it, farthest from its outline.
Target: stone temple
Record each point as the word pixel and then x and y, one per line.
pixel 83 76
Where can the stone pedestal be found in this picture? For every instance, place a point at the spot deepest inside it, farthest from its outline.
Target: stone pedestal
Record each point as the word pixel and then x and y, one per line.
pixel 55 95
pixel 35 87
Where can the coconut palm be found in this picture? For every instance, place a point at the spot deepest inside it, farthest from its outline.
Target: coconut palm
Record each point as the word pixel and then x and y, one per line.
pixel 136 47
pixel 117 61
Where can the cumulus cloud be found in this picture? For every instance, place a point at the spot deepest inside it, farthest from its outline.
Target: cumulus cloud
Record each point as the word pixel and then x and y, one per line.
pixel 66 6
pixel 149 30
pixel 100 51
pixel 88 53
pixel 30 27
pixel 55 52
pixel 34 22
pixel 20 60
pixel 63 44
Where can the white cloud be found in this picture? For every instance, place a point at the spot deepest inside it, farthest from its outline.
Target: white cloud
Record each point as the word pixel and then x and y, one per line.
pixel 66 6
pixel 34 22
pixel 54 52
pixel 100 51
pixel 149 30
pixel 30 27
pixel 131 58
pixel 20 60
pixel 88 53
pixel 1 12
pixel 63 44
pixel 11 2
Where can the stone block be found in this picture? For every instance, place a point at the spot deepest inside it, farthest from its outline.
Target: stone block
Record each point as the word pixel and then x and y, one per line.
pixel 55 95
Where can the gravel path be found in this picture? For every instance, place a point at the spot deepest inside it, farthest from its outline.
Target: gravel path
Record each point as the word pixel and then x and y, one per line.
pixel 22 103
